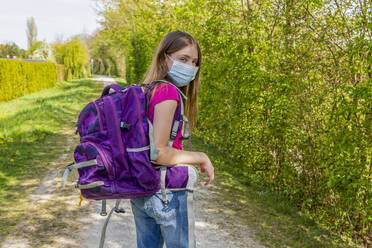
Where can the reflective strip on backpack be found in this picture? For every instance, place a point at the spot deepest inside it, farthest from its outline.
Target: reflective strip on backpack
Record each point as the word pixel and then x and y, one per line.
pixel 163 175
pixel 76 166
pixel 178 189
pixel 153 151
pixel 173 133
pixel 191 219
pixel 84 164
pixel 193 178
pixel 90 185
pixel 185 127
pixel 186 132
pixel 140 149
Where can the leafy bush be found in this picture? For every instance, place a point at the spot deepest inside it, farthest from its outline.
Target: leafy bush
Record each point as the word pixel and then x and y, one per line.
pixel 106 58
pixel 11 50
pixel 285 87
pixel 74 56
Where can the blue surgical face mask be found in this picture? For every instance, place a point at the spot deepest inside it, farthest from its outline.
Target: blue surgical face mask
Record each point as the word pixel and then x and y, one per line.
pixel 181 73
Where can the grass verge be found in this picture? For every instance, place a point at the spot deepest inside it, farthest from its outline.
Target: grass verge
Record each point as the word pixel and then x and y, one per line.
pixel 33 133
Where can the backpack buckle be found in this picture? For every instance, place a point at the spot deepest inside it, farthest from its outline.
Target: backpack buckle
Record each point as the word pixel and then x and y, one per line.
pixel 173 135
pixel 125 126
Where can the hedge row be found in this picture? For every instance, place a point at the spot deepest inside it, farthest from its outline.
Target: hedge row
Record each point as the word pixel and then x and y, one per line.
pixel 283 89
pixel 18 78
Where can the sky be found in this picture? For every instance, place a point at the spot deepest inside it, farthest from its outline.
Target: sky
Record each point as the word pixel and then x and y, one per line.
pixel 53 18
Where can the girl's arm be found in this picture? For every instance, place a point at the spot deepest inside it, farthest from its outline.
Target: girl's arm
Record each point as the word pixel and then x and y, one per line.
pixel 163 119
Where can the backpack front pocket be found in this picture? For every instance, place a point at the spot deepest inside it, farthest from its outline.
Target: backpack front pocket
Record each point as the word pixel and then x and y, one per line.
pixel 99 175
pixel 142 169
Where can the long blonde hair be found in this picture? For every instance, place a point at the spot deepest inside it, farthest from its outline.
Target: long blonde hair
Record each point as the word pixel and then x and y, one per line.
pixel 173 42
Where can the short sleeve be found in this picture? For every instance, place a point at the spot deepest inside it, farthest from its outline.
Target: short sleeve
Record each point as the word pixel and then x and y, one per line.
pixel 164 92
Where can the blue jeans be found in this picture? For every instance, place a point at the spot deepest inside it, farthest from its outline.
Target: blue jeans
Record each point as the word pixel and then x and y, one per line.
pixel 157 222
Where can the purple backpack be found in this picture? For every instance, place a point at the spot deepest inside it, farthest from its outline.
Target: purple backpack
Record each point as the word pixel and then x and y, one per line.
pixel 116 148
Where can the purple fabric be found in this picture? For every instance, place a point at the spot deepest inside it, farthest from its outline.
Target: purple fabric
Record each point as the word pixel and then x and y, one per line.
pixel 176 177
pixel 125 174
pixel 115 87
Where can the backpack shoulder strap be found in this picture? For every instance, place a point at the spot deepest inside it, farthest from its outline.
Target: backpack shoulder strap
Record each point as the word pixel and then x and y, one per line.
pixel 176 121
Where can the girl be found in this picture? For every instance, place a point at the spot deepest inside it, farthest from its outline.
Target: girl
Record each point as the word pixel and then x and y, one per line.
pixel 178 61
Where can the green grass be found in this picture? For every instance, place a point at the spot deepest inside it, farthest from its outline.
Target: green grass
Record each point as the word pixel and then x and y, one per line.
pixel 275 221
pixel 33 133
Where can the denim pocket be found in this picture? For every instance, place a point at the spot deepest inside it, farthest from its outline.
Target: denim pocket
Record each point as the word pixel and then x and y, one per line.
pixel 161 212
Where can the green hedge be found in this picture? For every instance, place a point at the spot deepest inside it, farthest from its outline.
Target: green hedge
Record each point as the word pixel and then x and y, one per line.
pixel 18 78
pixel 282 88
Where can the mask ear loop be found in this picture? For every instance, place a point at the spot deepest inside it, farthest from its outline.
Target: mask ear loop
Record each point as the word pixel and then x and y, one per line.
pixel 169 57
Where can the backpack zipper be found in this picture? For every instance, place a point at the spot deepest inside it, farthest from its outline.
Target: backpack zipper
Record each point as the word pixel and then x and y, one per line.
pixel 117 130
pixel 99 116
pixel 103 156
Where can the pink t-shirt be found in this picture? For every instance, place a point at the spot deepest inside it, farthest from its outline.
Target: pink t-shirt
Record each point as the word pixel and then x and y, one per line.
pixel 163 92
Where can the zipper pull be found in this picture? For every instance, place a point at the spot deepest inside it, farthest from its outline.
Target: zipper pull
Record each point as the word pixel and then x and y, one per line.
pixel 81 199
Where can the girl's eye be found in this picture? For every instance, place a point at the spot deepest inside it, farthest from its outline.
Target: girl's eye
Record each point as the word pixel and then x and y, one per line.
pixel 182 59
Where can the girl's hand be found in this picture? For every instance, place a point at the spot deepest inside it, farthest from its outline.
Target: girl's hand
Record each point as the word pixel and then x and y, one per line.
pixel 207 167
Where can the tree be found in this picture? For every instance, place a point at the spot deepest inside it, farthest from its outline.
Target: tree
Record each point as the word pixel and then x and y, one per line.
pixel 292 80
pixel 31 31
pixel 41 50
pixel 11 50
pixel 107 59
pixel 74 56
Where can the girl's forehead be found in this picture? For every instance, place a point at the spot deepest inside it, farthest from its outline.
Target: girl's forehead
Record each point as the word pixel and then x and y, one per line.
pixel 190 51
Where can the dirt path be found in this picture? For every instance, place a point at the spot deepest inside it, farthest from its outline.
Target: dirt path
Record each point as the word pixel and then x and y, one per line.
pixel 54 220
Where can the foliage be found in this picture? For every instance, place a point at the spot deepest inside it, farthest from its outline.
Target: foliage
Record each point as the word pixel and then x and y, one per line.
pixel 74 56
pixel 286 88
pixel 105 58
pixel 35 46
pixel 11 50
pixel 60 72
pixel 31 31
pixel 18 78
pixel 41 50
